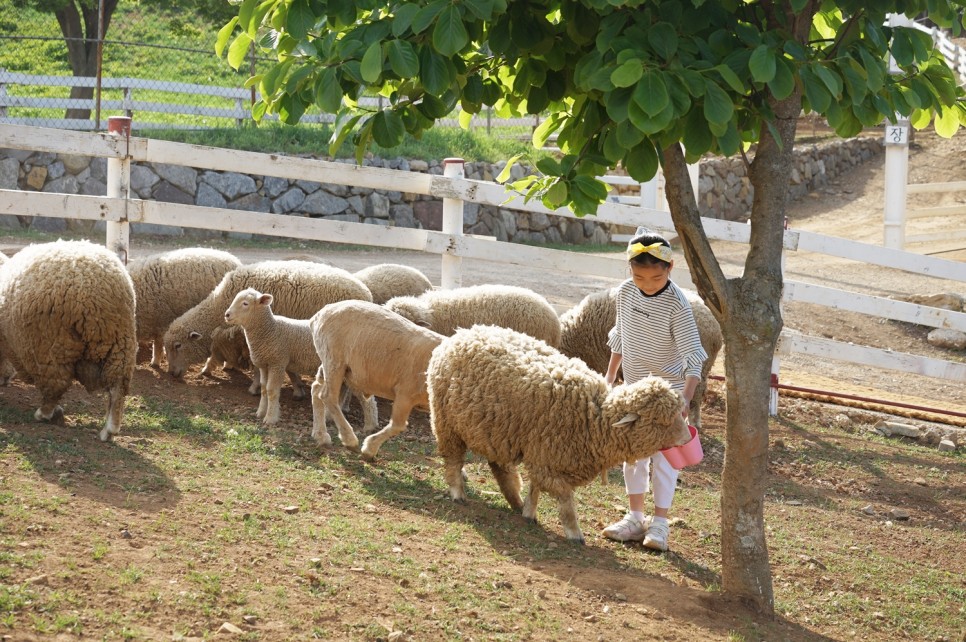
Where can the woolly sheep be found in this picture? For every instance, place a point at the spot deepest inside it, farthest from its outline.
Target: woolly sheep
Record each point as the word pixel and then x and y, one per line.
pixel 444 311
pixel 376 352
pixel 68 313
pixel 584 331
pixel 169 284
pixel 388 280
pixel 512 398
pixel 277 345
pixel 6 368
pixel 300 289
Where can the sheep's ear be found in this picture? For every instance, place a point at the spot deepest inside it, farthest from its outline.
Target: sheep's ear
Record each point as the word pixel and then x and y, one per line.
pixel 265 299
pixel 423 324
pixel 194 335
pixel 629 418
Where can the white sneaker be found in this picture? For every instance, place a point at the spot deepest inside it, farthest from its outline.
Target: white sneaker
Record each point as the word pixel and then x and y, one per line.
pixel 626 529
pixel 656 536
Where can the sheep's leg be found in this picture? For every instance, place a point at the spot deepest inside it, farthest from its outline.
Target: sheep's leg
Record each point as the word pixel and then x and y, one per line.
pixel 397 423
pixel 271 390
pixel 333 388
pixel 319 432
pixel 256 382
pixel 50 394
pixel 568 516
pixel 530 503
pixel 370 413
pixel 210 364
pixel 694 409
pixel 261 374
pixel 157 349
pixel 115 413
pixel 453 451
pixel 298 387
pixel 508 479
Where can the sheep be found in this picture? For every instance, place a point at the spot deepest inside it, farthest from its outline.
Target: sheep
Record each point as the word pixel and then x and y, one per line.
pixel 169 284
pixel 6 368
pixel 277 345
pixel 512 398
pixel 68 313
pixel 444 311
pixel 584 331
pixel 388 280
pixel 300 289
pixel 376 352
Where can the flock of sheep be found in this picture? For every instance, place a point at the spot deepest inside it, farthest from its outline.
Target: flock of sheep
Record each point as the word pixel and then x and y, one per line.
pixel 499 372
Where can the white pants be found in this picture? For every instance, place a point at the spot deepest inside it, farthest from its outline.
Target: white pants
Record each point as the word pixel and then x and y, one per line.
pixel 638 474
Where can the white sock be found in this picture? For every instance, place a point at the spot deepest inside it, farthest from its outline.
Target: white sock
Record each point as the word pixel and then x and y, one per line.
pixel 658 519
pixel 638 515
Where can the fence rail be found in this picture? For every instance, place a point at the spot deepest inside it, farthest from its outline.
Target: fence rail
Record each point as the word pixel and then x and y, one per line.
pixel 452 245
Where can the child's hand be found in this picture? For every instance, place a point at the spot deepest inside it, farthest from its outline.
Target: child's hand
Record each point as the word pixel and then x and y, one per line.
pixel 687 405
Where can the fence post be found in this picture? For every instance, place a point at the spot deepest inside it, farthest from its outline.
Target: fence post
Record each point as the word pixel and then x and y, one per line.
pixel 119 186
pixel 896 176
pixel 452 266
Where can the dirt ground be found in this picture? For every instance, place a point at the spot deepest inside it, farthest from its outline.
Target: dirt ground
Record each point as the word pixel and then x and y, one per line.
pixel 850 207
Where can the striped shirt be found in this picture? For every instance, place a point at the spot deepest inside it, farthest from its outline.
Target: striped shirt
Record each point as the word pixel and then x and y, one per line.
pixel 656 335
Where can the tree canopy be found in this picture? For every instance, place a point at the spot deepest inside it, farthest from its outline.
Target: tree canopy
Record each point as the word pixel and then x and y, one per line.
pixel 619 81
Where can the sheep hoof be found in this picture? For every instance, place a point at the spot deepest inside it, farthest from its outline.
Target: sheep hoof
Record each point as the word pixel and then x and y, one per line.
pixel 531 520
pixel 56 417
pixel 460 500
pixel 579 540
pixel 368 457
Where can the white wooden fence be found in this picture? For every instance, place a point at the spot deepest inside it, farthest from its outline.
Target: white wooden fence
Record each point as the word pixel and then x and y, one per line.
pixel 119 210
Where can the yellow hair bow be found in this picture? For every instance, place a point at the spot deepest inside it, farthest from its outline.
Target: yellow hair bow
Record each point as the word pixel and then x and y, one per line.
pixel 658 250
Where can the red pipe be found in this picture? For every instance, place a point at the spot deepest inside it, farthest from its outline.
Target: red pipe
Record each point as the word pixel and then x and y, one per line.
pixel 883 402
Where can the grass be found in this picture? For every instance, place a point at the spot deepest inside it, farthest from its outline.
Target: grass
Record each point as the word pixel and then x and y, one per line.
pixel 376 548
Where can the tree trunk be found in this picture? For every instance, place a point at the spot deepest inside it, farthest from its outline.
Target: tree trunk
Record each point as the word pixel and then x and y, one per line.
pixel 79 26
pixel 748 309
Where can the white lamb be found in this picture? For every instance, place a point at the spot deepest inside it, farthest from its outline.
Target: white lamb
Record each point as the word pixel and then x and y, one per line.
pixel 376 352
pixel 277 345
pixel 507 306
pixel 512 398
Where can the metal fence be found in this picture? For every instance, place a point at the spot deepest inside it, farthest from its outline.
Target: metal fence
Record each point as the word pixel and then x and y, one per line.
pixel 151 82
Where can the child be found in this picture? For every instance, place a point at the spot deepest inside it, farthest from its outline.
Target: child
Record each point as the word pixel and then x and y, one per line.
pixel 655 334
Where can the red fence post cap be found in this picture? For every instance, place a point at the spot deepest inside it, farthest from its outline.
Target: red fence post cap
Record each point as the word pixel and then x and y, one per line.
pixel 119 125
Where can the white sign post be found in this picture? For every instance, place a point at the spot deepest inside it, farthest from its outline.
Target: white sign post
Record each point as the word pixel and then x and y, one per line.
pixel 896 175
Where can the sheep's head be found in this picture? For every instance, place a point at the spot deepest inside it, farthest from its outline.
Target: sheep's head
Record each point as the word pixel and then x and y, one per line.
pixel 651 412
pixel 412 308
pixel 228 346
pixel 244 305
pixel 184 347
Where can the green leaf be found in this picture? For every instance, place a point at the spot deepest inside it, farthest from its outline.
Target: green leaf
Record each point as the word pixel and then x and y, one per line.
pixel 272 80
pixel 481 9
pixel 718 107
pixel 628 73
pixel 874 69
pixel 328 93
pixel 433 71
pixel 238 50
pixel 449 34
pixel 902 47
pixel 697 137
pixel 258 110
pixel 650 94
pixel 403 16
pixel 473 90
pixel 730 142
pixel 291 109
pixel 783 84
pixel 641 162
pixel 831 80
pixel 542 133
pixel 245 14
pixel 762 64
pixel 731 78
pixel 300 19
pixel 403 59
pixel 387 129
pixel 504 174
pixel 223 35
pixel 613 150
pixel 425 16
pixel 663 38
pixel 586 67
pixel 555 196
pixel 371 68
pixel 341 130
pixel 815 90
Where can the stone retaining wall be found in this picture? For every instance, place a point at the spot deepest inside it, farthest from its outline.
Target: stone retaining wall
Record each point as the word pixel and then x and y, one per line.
pixel 725 192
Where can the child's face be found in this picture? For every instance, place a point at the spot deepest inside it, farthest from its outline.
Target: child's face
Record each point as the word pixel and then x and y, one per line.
pixel 650 278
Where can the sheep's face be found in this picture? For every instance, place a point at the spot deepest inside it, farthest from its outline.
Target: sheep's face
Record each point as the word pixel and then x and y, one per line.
pixel 650 407
pixel 228 346
pixel 412 309
pixel 185 349
pixel 245 302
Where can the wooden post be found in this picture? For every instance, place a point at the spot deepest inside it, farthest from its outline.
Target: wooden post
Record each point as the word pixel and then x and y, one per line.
pixel 119 186
pixel 896 176
pixel 452 267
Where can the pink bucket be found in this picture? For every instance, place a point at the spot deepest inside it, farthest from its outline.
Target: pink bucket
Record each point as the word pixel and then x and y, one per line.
pixel 687 455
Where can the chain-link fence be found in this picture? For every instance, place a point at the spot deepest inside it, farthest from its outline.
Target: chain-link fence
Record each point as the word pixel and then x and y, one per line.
pixel 158 85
